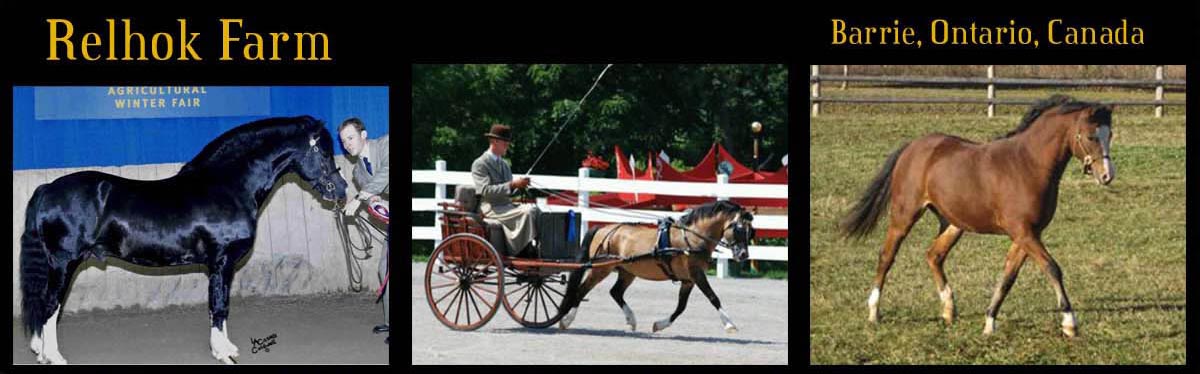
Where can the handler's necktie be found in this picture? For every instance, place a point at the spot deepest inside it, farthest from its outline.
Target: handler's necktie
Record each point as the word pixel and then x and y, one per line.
pixel 366 161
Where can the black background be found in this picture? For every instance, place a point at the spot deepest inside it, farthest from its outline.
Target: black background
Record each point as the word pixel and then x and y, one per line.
pixel 374 44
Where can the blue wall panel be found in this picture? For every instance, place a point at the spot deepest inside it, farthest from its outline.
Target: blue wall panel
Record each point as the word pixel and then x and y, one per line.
pixel 42 144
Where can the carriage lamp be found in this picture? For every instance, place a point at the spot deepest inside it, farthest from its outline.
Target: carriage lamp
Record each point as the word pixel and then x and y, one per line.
pixel 756 128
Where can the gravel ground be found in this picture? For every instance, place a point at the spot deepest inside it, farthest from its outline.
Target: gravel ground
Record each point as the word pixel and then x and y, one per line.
pixel 313 329
pixel 599 334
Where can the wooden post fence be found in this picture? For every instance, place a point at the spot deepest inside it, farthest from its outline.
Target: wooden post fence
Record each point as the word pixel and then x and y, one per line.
pixel 990 81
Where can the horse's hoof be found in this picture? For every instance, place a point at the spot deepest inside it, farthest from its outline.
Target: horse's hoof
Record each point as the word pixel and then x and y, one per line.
pixel 989 326
pixel 226 357
pixel 731 329
pixel 661 325
pixel 565 322
pixel 52 360
pixel 1069 331
pixel 949 315
pixel 1068 325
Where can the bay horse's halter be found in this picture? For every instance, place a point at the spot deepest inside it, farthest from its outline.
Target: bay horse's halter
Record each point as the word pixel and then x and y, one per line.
pixel 1087 155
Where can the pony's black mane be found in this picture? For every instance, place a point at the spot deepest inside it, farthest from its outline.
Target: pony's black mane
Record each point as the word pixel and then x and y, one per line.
pixel 709 210
pixel 1102 114
pixel 234 145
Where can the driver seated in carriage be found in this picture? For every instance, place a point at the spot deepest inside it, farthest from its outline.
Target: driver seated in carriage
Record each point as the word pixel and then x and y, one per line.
pixel 494 182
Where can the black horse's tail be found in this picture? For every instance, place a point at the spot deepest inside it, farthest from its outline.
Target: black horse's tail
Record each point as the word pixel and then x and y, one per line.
pixel 576 278
pixel 35 269
pixel 873 203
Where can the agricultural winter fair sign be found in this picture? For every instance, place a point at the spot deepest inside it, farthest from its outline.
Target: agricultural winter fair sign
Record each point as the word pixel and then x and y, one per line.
pixel 1054 33
pixel 113 102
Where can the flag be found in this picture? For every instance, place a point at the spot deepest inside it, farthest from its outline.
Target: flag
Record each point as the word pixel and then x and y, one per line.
pixel 633 169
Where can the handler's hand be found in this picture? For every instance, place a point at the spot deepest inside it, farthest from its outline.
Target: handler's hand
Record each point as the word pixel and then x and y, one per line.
pixel 351 207
pixel 519 184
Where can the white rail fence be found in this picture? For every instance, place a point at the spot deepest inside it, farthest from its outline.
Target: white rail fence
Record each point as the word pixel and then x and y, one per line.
pixel 581 184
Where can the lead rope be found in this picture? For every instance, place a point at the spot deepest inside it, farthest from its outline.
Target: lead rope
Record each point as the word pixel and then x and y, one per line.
pixel 354 268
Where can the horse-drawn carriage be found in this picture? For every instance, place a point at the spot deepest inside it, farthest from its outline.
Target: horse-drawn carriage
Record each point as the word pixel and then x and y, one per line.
pixel 472 272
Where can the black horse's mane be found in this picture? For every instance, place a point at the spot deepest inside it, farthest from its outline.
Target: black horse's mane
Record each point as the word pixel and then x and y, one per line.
pixel 234 145
pixel 709 210
pixel 1102 114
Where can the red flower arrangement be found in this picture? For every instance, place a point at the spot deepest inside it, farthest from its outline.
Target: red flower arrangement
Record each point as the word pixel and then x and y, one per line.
pixel 594 162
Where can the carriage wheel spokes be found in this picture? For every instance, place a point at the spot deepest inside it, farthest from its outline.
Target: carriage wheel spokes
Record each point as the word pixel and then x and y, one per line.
pixel 471 280
pixel 536 300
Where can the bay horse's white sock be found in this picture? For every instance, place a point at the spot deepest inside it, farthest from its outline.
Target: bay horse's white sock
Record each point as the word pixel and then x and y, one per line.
pixel 565 322
pixel 873 305
pixel 729 326
pixel 629 318
pixel 1068 324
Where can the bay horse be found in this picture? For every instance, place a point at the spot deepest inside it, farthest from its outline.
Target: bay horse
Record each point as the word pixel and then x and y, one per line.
pixel 206 214
pixel 704 224
pixel 1008 186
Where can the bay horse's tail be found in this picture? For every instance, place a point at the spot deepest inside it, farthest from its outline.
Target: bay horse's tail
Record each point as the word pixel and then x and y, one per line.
pixel 585 255
pixel 35 270
pixel 874 201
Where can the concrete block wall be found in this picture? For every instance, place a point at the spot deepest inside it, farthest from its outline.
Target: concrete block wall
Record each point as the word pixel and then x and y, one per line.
pixel 297 251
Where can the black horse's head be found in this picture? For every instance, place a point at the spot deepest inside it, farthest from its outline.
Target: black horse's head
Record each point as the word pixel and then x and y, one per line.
pixel 315 165
pixel 269 148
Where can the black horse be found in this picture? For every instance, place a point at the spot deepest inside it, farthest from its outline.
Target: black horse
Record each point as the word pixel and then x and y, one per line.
pixel 206 214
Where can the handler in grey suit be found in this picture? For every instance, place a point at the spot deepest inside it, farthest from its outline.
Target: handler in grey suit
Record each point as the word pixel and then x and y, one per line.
pixel 371 177
pixel 494 181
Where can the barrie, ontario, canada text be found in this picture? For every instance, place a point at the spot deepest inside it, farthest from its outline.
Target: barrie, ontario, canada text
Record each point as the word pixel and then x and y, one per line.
pixel 944 33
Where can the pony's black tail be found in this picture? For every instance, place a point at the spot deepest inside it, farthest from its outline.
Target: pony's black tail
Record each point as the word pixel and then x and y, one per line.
pixel 577 276
pixel 35 269
pixel 865 214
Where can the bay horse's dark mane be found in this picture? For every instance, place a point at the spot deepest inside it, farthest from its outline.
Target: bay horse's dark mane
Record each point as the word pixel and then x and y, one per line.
pixel 1102 114
pixel 233 145
pixel 709 210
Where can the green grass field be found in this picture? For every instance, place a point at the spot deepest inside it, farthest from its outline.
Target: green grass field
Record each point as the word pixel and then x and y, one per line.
pixel 1121 249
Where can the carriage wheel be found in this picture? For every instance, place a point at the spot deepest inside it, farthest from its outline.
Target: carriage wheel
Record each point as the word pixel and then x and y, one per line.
pixel 534 297
pixel 463 281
